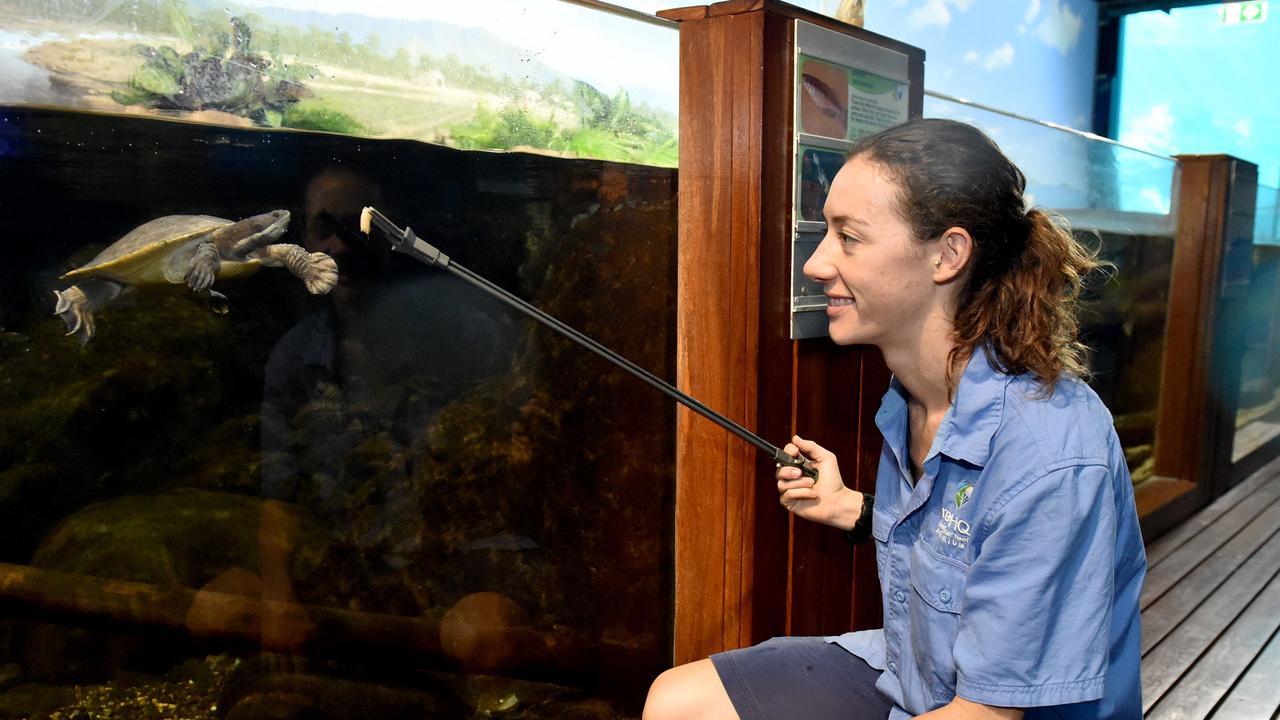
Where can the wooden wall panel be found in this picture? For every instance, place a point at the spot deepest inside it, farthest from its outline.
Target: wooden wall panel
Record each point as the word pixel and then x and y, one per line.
pixel 717 344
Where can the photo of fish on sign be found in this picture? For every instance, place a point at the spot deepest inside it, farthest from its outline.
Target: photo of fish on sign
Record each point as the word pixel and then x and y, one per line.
pixel 817 168
pixel 824 102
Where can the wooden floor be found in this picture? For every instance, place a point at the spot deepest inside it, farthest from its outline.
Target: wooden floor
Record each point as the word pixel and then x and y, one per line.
pixel 1211 610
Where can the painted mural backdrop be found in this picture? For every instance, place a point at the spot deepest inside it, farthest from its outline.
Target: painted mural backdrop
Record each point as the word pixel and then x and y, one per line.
pixel 1198 80
pixel 490 74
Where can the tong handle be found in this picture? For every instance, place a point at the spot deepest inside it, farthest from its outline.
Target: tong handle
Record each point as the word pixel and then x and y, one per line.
pixel 802 462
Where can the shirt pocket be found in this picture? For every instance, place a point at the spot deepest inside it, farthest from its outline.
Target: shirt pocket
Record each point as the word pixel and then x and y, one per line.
pixel 934 614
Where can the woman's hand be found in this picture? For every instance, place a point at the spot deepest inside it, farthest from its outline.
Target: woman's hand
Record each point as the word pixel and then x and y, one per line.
pixel 824 499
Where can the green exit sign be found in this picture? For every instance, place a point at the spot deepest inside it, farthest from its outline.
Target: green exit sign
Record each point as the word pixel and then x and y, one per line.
pixel 1242 13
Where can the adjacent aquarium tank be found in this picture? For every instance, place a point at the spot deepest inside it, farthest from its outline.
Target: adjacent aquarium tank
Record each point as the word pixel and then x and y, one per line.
pixel 255 465
pixel 1258 414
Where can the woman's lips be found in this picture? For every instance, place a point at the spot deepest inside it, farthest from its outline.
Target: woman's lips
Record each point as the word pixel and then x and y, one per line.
pixel 837 305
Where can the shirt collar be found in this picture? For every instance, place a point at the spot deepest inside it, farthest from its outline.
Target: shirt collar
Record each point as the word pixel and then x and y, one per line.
pixel 976 411
pixel 971 421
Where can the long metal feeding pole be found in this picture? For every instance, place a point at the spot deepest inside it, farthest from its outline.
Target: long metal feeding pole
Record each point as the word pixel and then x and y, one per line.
pixel 404 240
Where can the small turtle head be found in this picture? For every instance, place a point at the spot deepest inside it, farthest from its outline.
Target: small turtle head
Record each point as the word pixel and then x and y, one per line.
pixel 236 240
pixel 272 223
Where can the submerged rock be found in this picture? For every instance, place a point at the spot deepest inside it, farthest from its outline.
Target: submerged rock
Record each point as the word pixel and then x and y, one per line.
pixel 187 538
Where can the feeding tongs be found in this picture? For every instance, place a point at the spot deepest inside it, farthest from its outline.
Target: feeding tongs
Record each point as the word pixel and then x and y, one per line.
pixel 404 240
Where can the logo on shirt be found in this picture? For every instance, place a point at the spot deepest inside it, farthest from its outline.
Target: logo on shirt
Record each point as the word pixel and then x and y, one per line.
pixel 953 531
pixel 962 495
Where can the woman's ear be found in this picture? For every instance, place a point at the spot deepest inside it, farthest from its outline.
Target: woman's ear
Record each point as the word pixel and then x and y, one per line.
pixel 952 254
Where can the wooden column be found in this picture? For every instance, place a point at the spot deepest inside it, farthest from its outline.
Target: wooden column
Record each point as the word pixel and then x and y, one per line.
pixel 1201 374
pixel 744 570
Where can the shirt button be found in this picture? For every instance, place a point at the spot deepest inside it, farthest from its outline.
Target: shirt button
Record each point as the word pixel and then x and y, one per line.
pixel 945 596
pixel 893 667
pixel 901 596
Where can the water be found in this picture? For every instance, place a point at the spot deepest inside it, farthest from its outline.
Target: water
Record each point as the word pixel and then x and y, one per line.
pixel 20 81
pixel 395 500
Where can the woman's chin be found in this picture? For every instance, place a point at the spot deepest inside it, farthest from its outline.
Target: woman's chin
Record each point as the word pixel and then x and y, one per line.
pixel 843 332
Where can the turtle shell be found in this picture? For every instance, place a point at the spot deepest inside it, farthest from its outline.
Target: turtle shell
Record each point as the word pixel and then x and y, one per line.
pixel 148 249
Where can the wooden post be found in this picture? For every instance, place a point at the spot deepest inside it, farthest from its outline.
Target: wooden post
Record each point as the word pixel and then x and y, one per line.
pixel 1199 387
pixel 744 570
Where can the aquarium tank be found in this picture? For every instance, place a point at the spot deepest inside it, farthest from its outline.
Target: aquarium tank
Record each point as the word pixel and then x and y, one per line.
pixel 1258 414
pixel 255 464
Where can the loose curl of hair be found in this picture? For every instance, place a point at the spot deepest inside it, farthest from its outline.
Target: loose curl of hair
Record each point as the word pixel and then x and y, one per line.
pixel 1026 273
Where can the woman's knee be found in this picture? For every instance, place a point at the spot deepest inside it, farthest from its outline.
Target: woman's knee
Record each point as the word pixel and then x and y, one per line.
pixel 689 692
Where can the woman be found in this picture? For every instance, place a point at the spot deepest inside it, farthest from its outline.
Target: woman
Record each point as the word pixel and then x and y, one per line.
pixel 1007 542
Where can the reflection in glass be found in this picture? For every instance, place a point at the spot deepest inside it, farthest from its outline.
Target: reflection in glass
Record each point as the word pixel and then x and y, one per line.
pixel 1258 416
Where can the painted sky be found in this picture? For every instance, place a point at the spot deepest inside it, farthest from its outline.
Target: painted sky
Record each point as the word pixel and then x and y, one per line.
pixel 1034 57
pixel 1191 84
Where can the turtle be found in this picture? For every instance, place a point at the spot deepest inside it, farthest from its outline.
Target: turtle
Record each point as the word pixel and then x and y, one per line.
pixel 190 249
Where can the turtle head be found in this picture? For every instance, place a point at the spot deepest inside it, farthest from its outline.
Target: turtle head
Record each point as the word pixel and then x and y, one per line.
pixel 270 224
pixel 252 232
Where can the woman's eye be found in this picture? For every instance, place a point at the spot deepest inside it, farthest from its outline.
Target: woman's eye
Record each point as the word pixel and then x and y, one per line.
pixel 847 239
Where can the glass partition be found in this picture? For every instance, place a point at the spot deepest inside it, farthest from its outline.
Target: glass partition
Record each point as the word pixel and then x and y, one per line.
pixel 346 485
pixel 1258 417
pixel 552 76
pixel 1092 181
pixel 1119 200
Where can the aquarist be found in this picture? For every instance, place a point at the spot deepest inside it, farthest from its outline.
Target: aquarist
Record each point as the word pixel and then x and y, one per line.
pixel 1007 541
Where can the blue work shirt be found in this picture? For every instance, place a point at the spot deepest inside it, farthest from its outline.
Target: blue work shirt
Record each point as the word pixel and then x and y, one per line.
pixel 1010 571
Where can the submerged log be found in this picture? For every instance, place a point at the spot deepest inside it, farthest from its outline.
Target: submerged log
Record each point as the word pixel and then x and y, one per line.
pixel 512 650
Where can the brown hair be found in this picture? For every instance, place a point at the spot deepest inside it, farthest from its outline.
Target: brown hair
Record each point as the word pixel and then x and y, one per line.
pixel 1027 270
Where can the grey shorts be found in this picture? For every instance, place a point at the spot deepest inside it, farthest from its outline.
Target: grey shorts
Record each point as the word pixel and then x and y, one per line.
pixel 800 677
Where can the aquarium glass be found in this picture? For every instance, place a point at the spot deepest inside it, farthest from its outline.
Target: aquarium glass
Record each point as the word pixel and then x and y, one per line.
pixel 1258 416
pixel 1122 322
pixel 1093 182
pixel 346 485
pixel 491 74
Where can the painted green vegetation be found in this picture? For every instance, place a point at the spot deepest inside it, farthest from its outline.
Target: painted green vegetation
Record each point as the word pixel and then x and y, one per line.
pixel 314 78
pixel 607 127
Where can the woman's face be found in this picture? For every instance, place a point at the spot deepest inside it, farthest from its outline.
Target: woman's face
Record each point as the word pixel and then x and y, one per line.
pixel 878 280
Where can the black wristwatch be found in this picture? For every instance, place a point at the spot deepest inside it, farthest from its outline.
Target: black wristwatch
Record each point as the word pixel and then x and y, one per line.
pixel 861 529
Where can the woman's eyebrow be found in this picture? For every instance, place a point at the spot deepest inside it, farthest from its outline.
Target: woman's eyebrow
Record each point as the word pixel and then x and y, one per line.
pixel 847 219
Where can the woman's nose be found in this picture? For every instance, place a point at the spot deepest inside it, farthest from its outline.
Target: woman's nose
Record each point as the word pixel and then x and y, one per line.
pixel 817 267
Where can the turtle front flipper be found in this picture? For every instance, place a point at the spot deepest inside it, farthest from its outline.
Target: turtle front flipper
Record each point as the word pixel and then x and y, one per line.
pixel 204 267
pixel 318 271
pixel 77 304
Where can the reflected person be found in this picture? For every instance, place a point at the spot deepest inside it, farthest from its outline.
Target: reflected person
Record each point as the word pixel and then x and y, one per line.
pixel 351 389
